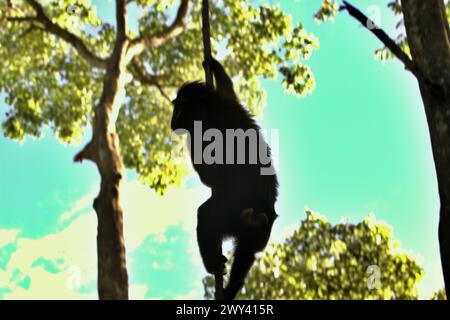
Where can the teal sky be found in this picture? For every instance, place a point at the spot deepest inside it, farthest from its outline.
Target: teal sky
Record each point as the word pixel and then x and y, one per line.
pixel 358 144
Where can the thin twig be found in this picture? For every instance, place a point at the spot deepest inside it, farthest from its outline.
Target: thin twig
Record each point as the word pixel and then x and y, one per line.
pixel 206 32
pixel 145 78
pixel 382 36
pixel 158 39
pixel 64 34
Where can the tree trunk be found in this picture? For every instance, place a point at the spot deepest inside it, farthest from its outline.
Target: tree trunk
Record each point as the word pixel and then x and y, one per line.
pixel 103 151
pixel 428 37
pixel 112 272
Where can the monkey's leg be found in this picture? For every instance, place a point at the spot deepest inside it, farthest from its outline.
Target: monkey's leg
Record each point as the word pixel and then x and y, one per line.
pixel 209 237
pixel 243 260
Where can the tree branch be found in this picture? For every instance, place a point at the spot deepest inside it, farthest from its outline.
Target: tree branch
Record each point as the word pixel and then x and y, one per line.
pixel 145 78
pixel 21 19
pixel 143 75
pixel 56 30
pixel 121 19
pixel 383 37
pixel 156 40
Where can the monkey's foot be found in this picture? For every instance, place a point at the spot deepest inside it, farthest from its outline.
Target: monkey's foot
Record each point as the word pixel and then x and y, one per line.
pixel 251 218
pixel 246 214
pixel 216 266
pixel 222 268
pixel 231 290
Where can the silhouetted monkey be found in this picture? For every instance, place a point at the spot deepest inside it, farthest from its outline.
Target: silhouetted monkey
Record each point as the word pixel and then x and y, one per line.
pixel 242 202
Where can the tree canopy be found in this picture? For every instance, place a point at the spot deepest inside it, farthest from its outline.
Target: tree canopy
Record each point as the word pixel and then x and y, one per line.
pixel 324 261
pixel 54 58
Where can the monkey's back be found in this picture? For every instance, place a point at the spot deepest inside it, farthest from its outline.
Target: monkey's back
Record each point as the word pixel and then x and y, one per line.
pixel 248 185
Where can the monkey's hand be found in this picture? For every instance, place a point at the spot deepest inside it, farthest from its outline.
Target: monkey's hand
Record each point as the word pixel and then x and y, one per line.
pixel 205 63
pixel 224 84
pixel 210 60
pixel 213 65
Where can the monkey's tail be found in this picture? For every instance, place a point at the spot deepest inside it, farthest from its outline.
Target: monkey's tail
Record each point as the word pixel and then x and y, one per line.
pixel 243 260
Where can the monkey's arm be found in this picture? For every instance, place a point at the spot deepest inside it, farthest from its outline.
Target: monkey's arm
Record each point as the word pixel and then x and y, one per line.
pixel 223 82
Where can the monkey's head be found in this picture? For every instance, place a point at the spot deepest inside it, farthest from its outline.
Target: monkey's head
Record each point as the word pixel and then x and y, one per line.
pixel 190 105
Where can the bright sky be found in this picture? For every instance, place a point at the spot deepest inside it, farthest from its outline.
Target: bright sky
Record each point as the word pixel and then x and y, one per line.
pixel 358 144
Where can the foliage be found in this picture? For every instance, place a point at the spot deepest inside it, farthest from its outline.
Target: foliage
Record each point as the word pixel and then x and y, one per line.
pixel 327 11
pixel 48 84
pixel 439 295
pixel 323 261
